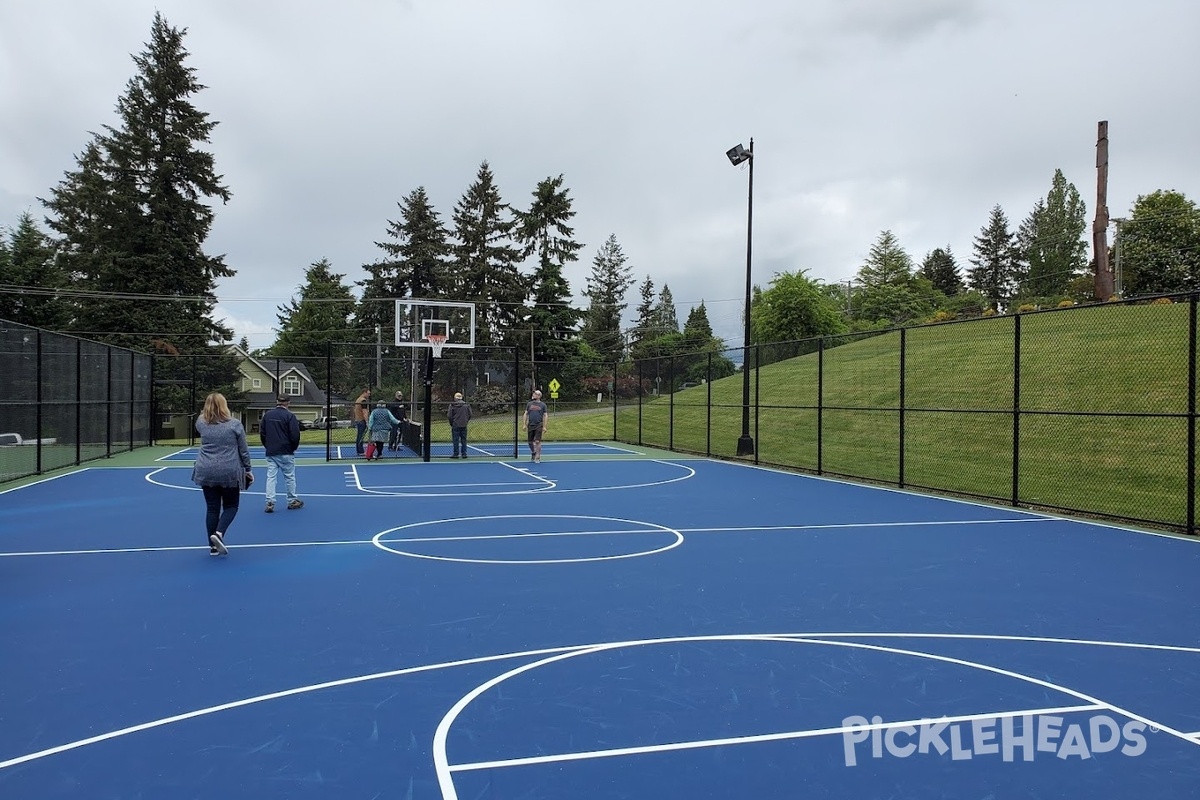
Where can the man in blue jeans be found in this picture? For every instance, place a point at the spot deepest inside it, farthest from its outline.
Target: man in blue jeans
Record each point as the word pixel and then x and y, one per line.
pixel 280 433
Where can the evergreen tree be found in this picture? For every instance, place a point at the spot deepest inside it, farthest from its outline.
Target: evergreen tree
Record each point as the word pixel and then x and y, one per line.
pixel 995 260
pixel 1050 241
pixel 322 314
pixel 485 261
pixel 698 330
pixel 27 265
pixel 665 317
pixel 940 268
pixel 132 220
pixel 644 328
pixel 887 263
pixel 545 233
pixel 611 277
pixel 416 265
pixel 1159 245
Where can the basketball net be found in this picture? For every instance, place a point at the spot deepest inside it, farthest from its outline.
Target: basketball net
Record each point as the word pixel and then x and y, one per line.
pixel 436 342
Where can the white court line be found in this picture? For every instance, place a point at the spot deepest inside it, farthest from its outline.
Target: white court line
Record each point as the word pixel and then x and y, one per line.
pixel 445 770
pixel 301 690
pixel 742 529
pixel 530 535
pixel 45 480
pixel 763 737
pixel 173 549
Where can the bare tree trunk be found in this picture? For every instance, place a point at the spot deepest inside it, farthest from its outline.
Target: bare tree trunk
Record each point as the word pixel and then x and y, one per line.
pixel 1104 277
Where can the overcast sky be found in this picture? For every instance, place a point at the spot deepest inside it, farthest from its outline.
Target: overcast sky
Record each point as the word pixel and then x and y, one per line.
pixel 916 116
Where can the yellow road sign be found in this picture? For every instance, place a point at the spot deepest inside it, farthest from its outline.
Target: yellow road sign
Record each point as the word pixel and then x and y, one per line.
pixel 554 385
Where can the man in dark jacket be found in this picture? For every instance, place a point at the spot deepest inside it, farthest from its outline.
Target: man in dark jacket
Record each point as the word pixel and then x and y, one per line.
pixel 400 412
pixel 459 415
pixel 280 433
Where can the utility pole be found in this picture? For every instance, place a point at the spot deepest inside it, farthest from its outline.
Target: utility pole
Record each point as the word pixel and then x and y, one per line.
pixel 378 356
pixel 1104 278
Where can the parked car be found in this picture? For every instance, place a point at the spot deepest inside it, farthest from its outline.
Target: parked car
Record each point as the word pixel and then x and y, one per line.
pixel 307 424
pixel 324 423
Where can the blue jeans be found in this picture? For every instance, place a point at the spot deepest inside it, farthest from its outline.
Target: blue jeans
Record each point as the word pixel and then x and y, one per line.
pixel 358 439
pixel 458 440
pixel 221 504
pixel 287 465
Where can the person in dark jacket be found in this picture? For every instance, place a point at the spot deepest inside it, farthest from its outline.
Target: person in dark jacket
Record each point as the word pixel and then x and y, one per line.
pixel 280 433
pixel 400 412
pixel 459 415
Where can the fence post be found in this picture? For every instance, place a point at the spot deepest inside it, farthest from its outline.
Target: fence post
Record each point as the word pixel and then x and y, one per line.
pixel 37 347
pixel 820 402
pixel 329 400
pixel 613 398
pixel 639 397
pixel 903 354
pixel 671 403
pixel 1191 418
pixel 708 407
pixel 78 402
pixel 757 378
pixel 1016 443
pixel 108 407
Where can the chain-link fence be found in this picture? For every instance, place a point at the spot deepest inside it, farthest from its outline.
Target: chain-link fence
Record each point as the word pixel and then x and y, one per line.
pixel 67 400
pixel 1087 410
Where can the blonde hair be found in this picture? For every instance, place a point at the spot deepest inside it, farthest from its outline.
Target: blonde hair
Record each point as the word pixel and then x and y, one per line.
pixel 216 409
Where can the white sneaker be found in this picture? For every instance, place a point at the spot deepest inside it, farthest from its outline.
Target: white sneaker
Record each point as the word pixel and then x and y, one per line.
pixel 218 544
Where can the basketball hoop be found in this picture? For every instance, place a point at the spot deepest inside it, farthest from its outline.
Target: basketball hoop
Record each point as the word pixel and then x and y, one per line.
pixel 436 342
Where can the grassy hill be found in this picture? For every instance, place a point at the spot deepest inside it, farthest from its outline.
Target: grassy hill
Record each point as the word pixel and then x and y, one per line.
pixel 1103 395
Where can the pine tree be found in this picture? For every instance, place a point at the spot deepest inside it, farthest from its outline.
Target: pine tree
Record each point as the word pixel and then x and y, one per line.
pixel 27 264
pixel 485 261
pixel 940 268
pixel 697 331
pixel 132 219
pixel 665 317
pixel 611 277
pixel 416 265
pixel 545 233
pixel 322 314
pixel 887 263
pixel 645 327
pixel 995 260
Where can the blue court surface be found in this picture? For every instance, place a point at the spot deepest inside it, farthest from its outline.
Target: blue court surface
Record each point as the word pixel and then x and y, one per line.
pixel 585 628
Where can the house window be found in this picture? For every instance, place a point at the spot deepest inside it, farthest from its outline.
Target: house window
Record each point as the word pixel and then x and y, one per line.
pixel 256 383
pixel 291 386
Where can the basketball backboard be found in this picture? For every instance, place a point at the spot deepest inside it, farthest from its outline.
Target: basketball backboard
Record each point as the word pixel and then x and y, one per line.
pixel 417 319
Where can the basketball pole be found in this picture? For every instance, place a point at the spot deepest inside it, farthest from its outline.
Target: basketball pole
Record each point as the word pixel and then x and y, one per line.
pixel 427 419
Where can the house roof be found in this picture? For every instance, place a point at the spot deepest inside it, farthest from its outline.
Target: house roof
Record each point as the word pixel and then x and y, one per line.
pixel 311 394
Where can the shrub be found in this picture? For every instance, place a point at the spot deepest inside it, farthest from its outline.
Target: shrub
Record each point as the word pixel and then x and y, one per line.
pixel 989 312
pixel 1161 301
pixel 1024 307
pixel 1066 303
pixel 493 399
